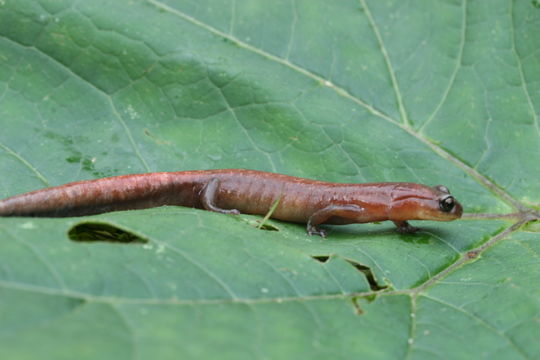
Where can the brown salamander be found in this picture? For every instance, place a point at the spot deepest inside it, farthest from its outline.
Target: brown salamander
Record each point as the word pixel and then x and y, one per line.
pixel 235 191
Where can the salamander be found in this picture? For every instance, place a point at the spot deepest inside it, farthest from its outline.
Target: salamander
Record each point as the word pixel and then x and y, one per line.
pixel 235 191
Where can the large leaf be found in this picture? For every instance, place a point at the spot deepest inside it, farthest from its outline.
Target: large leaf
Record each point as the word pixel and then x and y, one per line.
pixel 351 91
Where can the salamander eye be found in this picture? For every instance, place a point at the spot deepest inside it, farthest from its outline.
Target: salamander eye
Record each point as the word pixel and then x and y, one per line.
pixel 447 203
pixel 442 188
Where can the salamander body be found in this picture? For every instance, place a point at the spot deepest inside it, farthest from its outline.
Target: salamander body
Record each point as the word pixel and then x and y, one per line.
pixel 244 191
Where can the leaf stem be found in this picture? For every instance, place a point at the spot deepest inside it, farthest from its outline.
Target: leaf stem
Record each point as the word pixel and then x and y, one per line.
pixel 271 211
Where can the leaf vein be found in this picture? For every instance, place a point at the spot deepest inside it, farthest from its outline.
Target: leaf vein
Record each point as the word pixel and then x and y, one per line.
pixel 388 62
pixel 480 321
pixel 456 68
pixel 520 69
pixel 26 163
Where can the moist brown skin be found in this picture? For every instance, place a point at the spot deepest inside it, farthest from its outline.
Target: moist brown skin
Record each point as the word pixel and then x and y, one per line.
pixel 235 191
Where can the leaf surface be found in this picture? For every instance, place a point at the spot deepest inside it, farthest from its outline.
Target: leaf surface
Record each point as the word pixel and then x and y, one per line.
pixel 445 92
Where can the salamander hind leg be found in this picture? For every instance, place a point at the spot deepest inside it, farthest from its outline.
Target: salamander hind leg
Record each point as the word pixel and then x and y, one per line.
pixel 208 198
pixel 348 211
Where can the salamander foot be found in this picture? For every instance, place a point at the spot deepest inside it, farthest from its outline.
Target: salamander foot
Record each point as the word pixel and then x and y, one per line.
pixel 313 230
pixel 403 227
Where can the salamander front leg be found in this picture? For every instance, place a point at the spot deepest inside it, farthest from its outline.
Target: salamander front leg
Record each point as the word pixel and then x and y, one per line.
pixel 348 211
pixel 208 198
pixel 403 227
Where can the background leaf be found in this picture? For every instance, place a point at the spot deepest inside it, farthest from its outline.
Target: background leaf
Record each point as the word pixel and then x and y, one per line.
pixel 351 91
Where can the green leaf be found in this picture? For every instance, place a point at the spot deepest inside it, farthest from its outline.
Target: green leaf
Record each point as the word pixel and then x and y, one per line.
pixel 440 92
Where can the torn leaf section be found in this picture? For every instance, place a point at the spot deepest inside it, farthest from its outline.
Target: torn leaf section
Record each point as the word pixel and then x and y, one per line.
pixel 533 226
pixel 97 231
pixel 347 276
pixel 374 286
pixel 322 259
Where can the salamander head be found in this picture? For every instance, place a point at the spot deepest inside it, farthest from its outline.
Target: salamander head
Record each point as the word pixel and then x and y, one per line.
pixel 420 202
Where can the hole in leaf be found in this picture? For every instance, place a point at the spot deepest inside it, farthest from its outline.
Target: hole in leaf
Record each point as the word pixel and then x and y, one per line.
pixel 374 286
pixel 366 271
pixel 322 259
pixel 93 231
